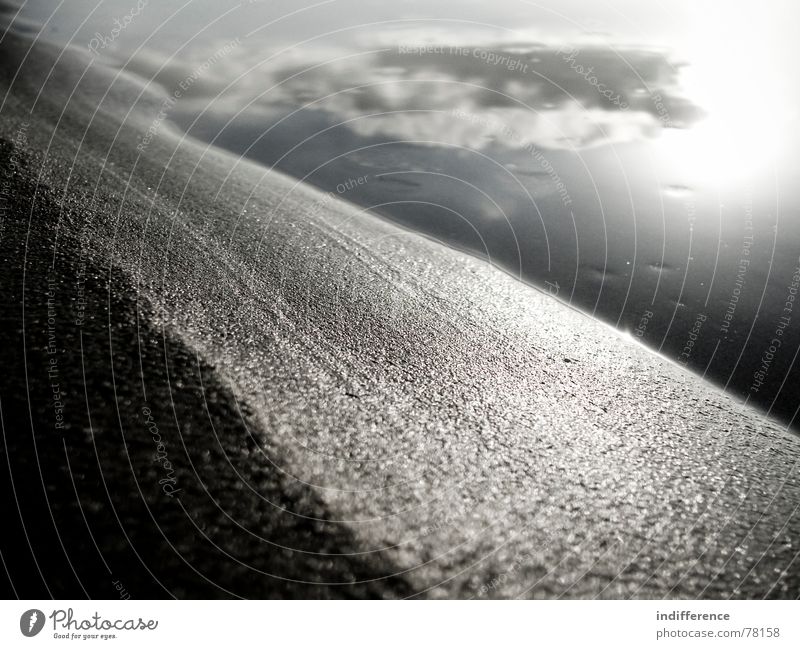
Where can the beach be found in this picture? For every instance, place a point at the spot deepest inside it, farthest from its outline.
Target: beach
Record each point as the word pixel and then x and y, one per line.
pixel 215 385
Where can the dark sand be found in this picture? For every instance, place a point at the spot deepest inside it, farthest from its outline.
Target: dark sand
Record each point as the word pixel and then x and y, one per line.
pixel 349 409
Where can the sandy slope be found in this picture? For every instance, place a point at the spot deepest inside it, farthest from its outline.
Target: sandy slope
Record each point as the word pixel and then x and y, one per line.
pixel 341 402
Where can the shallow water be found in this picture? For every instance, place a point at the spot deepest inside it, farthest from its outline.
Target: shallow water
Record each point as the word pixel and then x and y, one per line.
pixel 637 162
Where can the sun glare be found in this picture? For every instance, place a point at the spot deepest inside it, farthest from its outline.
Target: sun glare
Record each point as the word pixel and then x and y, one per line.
pixel 734 73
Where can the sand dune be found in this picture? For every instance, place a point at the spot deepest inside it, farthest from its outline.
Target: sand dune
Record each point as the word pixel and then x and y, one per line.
pixel 262 398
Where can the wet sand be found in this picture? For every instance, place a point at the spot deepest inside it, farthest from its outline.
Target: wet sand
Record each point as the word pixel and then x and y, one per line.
pixel 221 390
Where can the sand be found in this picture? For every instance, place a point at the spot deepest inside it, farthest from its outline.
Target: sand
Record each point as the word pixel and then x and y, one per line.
pixel 226 390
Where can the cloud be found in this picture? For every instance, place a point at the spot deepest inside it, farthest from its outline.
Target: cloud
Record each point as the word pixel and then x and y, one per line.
pixel 555 97
pixel 559 97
